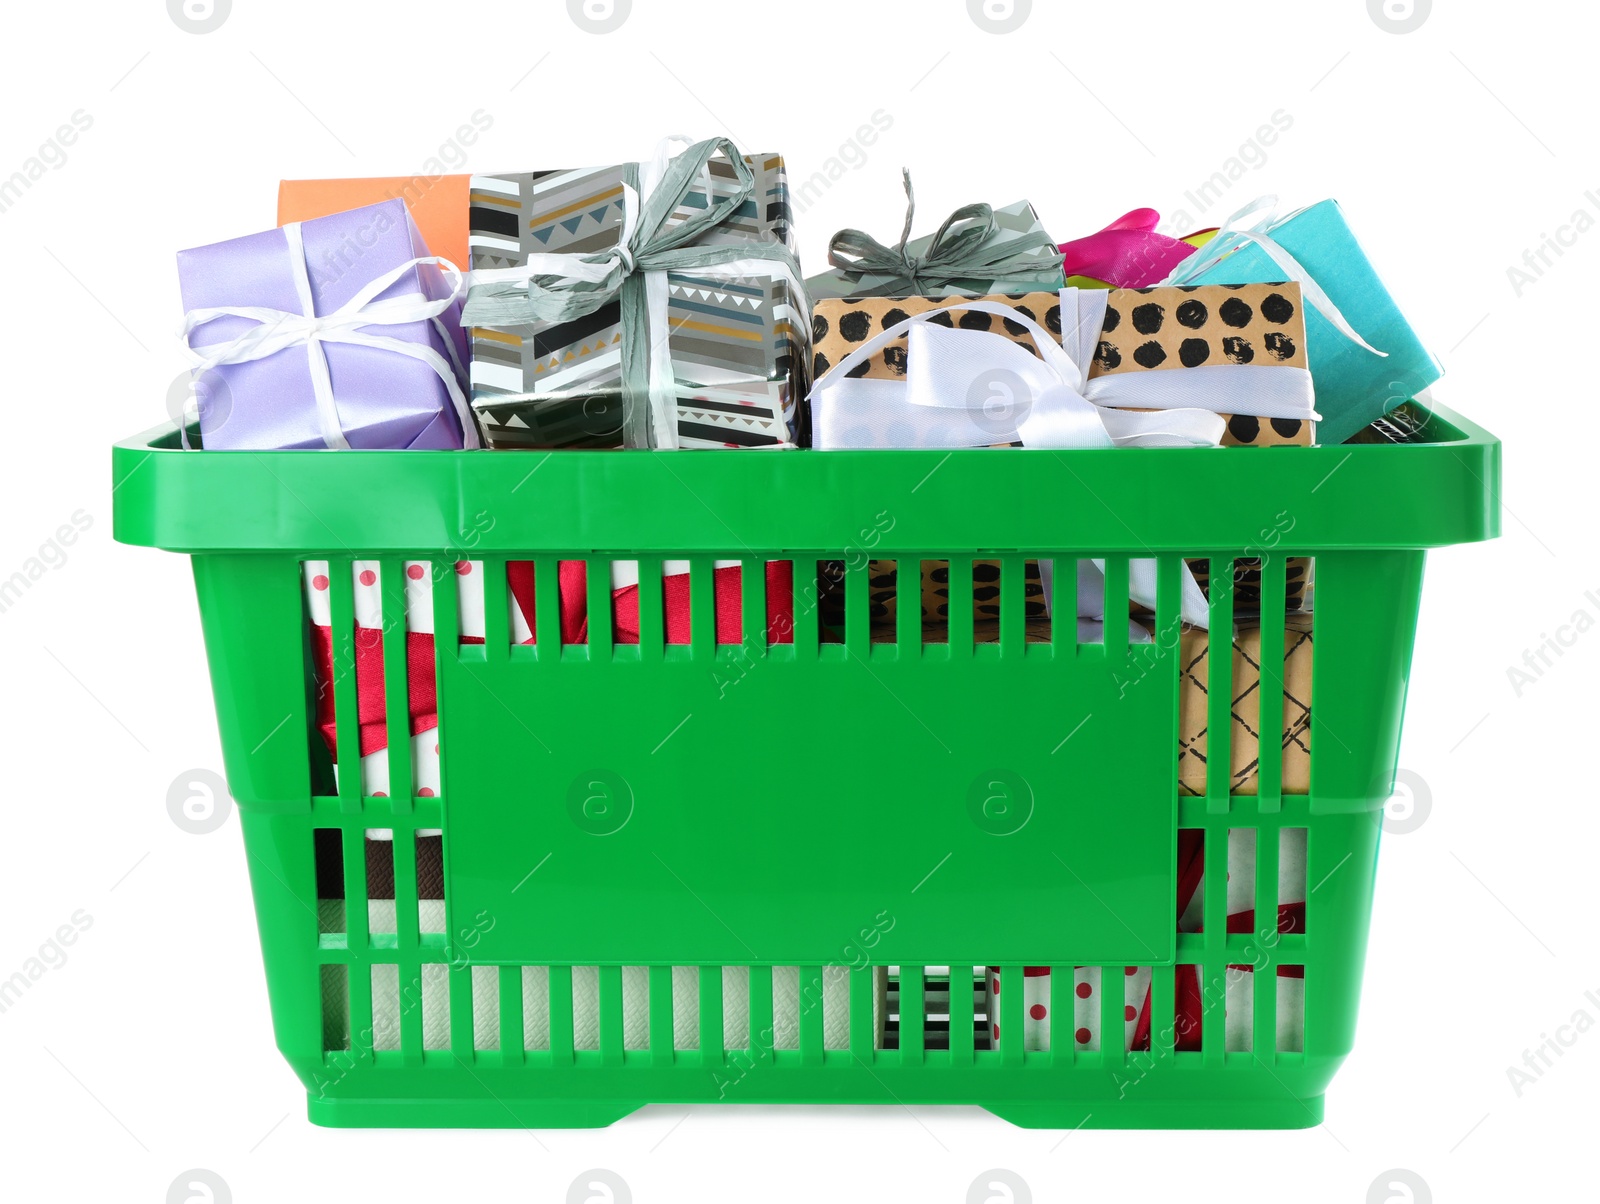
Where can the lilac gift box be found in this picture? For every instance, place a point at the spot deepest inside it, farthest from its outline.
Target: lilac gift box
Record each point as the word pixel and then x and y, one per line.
pixel 384 397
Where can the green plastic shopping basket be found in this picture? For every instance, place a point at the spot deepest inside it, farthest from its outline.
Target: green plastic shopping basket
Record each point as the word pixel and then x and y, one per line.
pixel 883 826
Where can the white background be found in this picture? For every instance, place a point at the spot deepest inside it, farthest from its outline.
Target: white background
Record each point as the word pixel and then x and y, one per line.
pixel 1454 149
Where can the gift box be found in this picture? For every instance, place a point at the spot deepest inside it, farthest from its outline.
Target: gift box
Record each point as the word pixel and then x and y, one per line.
pixel 417 629
pixel 931 578
pixel 977 251
pixel 789 1002
pixel 842 327
pixel 1235 985
pixel 1246 727
pixel 1161 331
pixel 1293 730
pixel 1128 253
pixel 1297 582
pixel 640 305
pixel 438 204
pixel 1354 385
pixel 1406 423
pixel 337 332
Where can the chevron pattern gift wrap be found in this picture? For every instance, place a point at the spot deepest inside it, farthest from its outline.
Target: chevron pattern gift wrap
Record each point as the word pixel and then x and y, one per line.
pixel 739 347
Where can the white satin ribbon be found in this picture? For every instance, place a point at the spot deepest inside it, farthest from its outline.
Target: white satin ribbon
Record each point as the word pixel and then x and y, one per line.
pixel 953 374
pixel 280 330
pixel 1142 588
pixel 1238 230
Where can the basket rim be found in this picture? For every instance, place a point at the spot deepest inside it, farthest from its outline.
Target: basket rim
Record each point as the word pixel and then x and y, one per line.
pixel 1123 501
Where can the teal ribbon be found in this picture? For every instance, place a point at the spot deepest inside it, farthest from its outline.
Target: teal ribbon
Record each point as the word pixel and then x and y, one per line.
pixel 556 288
pixel 963 249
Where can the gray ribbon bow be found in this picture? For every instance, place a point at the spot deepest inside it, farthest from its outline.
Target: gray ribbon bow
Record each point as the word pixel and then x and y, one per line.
pixel 552 297
pixel 963 249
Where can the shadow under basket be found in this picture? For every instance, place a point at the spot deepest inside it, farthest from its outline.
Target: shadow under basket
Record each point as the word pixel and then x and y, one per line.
pixel 570 785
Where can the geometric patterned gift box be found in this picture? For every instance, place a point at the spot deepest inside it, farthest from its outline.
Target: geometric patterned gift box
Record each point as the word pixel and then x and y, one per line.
pixel 736 346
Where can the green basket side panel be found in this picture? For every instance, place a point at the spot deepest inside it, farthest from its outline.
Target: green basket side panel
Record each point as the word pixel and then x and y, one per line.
pixel 278 849
pixel 252 616
pixel 1342 859
pixel 662 815
pixel 1366 620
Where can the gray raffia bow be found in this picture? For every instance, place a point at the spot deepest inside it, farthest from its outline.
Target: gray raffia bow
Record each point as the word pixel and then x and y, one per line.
pixel 963 249
pixel 558 287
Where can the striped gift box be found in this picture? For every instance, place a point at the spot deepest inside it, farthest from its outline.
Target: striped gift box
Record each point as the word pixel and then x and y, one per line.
pixel 739 348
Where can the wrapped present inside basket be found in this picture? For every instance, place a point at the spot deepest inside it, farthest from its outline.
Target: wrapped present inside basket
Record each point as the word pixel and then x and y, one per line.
pixel 1243 739
pixel 875 388
pixel 885 578
pixel 1128 253
pixel 438 204
pixel 1124 347
pixel 979 250
pixel 789 1003
pixel 1368 358
pixel 1184 1029
pixel 931 581
pixel 417 627
pixel 653 304
pixel 338 332
pixel 1293 730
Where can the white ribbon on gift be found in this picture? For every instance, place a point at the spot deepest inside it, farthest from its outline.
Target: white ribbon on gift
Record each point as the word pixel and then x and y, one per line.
pixel 951 374
pixel 663 384
pixel 1239 230
pixel 279 330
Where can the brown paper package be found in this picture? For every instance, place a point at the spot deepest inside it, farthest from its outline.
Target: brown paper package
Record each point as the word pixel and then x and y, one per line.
pixel 1194 743
pixel 840 325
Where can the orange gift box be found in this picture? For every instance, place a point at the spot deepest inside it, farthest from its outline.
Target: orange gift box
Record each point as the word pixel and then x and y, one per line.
pixel 438 205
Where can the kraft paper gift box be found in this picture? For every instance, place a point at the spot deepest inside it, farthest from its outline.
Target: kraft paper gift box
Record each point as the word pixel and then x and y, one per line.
pixel 978 251
pixel 842 325
pixel 932 579
pixel 385 368
pixel 735 346
pixel 1248 726
pixel 1243 739
pixel 1353 385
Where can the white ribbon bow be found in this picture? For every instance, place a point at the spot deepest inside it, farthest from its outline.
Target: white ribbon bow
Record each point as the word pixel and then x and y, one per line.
pixel 1238 230
pixel 280 330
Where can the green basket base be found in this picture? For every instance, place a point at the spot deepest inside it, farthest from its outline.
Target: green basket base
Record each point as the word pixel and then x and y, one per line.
pixel 465 1113
pixel 598 1114
pixel 1167 1114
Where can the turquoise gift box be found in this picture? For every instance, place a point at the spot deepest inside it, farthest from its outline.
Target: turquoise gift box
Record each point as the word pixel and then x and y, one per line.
pixel 1353 386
